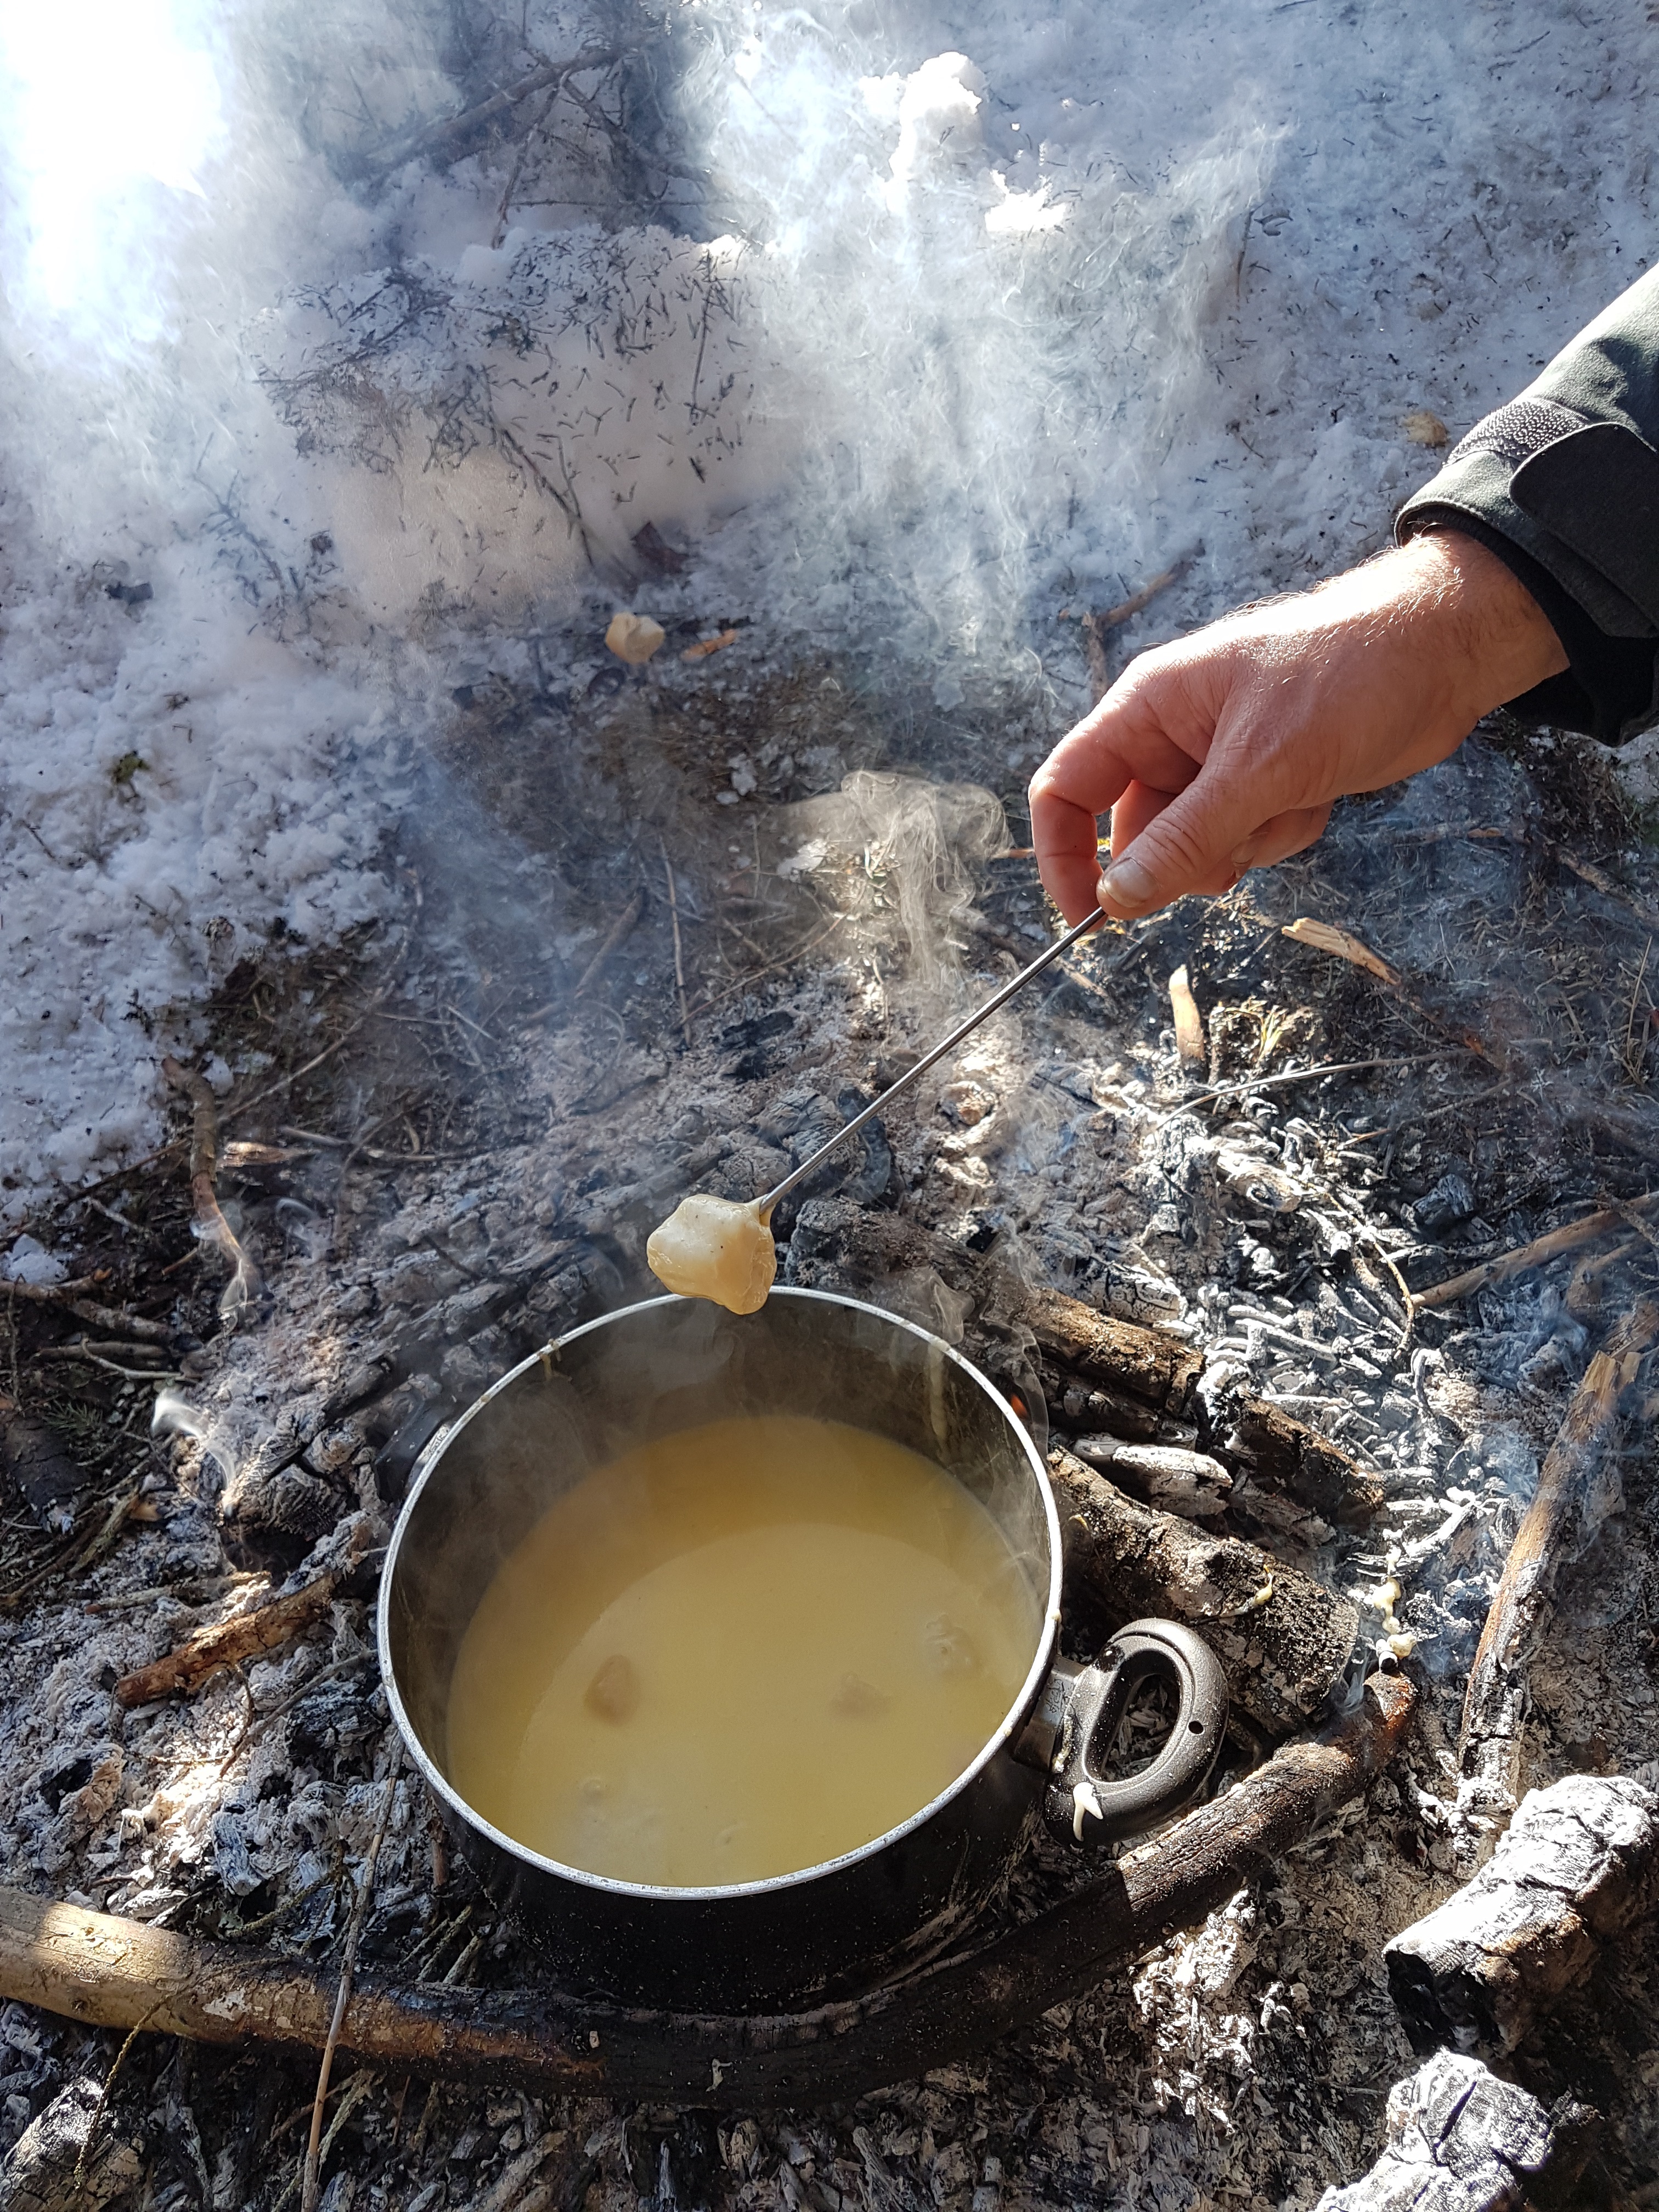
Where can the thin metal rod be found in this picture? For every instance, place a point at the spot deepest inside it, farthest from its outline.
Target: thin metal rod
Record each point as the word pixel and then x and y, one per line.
pixel 946 1044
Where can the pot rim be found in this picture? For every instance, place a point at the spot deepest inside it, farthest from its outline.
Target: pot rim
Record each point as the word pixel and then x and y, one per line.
pixel 1024 1697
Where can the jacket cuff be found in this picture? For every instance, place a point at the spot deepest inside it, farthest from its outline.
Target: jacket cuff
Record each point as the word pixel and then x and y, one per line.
pixel 1609 689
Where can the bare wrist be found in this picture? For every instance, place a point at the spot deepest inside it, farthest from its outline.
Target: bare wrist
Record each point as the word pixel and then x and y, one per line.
pixel 1498 641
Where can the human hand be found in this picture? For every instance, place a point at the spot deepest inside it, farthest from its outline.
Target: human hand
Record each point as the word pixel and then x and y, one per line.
pixel 1224 750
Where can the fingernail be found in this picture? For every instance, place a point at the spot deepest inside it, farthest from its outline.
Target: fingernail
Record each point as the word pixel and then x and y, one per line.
pixel 1126 882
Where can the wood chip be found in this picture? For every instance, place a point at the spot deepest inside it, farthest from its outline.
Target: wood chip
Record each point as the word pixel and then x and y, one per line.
pixel 1189 1026
pixel 1342 944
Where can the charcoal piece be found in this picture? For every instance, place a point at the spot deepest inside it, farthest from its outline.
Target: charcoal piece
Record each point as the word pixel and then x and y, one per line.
pixel 51 2168
pixel 1282 1454
pixel 274 1519
pixel 39 1470
pixel 1460 2139
pixel 365 1381
pixel 54 1784
pixel 1577 1869
pixel 1450 1201
pixel 1284 1640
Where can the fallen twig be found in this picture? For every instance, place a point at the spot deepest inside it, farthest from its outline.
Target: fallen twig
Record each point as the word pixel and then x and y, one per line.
pixel 619 929
pixel 1289 1075
pixel 311 2183
pixel 1499 1698
pixel 431 135
pixel 264 1629
pixel 679 957
pixel 209 1223
pixel 1095 628
pixel 1523 1257
pixel 104 1972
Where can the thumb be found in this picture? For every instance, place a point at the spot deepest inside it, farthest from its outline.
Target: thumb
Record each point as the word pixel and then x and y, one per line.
pixel 1197 843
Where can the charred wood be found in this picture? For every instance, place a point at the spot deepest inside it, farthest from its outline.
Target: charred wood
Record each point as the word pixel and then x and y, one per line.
pixel 69 2158
pixel 1558 1526
pixel 1282 1454
pixel 40 1469
pixel 1167 1476
pixel 1578 1867
pixel 1283 1639
pixel 1460 2139
pixel 111 1972
pixel 1537 1253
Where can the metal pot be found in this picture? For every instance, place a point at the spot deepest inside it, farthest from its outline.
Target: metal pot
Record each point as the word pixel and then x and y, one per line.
pixel 823 1931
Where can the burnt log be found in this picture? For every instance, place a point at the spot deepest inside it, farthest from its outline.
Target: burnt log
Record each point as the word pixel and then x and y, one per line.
pixel 1283 1639
pixel 1148 1378
pixel 1460 2139
pixel 1146 1374
pixel 110 1972
pixel 1282 1454
pixel 1578 1868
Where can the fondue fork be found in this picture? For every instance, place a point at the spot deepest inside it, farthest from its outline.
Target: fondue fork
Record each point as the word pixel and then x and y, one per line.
pixel 767 1205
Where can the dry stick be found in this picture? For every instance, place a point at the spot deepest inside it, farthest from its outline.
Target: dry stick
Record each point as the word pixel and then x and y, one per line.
pixel 265 1628
pixel 433 135
pixel 51 1294
pixel 1095 627
pixel 500 231
pixel 110 1972
pixel 679 960
pixel 1497 1701
pixel 67 1295
pixel 359 1913
pixel 1431 1114
pixel 1312 1074
pixel 210 1223
pixel 1586 870
pixel 618 930
pixel 1541 1249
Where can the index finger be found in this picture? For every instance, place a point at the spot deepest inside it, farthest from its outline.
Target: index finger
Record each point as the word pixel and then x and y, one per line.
pixel 1119 744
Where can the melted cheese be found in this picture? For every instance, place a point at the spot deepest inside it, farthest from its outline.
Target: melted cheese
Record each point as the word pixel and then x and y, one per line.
pixel 713 1248
pixel 738 1651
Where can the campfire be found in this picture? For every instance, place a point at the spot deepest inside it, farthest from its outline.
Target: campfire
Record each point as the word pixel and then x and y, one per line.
pixel 1280 1269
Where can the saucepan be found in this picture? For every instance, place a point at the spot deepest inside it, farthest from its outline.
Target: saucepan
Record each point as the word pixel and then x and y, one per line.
pixel 822 1931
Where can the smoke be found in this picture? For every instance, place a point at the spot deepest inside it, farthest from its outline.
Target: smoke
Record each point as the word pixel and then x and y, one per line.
pixel 986 350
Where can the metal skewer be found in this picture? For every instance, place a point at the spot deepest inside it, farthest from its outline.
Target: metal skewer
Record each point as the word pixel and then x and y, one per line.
pixel 945 1044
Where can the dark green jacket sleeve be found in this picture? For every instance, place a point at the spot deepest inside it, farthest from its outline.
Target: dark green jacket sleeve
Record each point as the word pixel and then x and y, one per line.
pixel 1563 484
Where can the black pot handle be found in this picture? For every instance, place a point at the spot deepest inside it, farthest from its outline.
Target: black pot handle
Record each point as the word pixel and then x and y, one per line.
pixel 1079 1802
